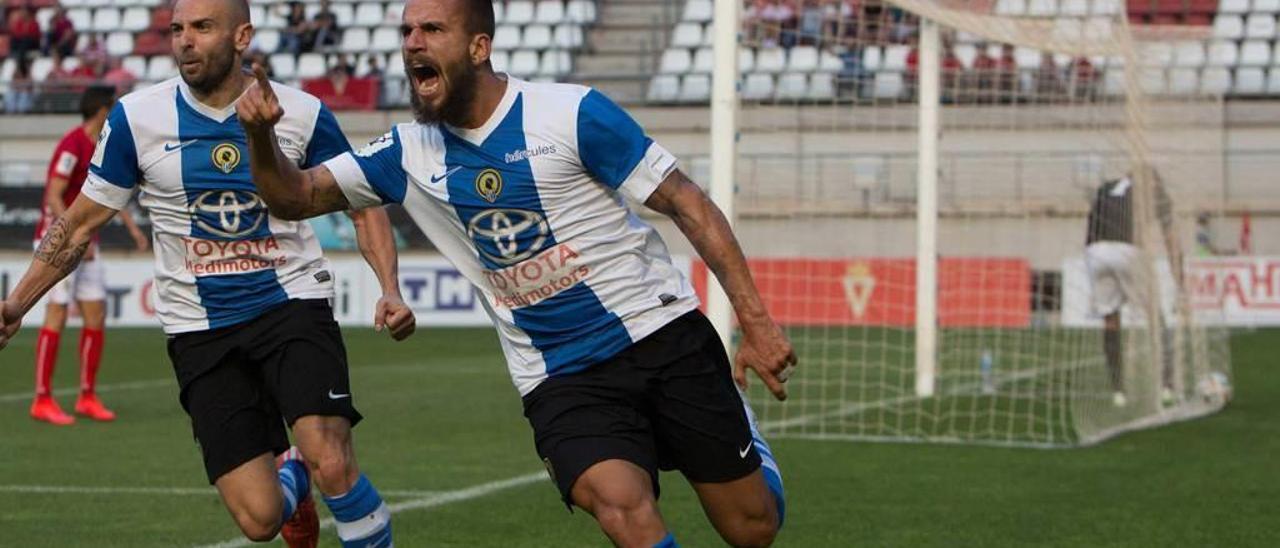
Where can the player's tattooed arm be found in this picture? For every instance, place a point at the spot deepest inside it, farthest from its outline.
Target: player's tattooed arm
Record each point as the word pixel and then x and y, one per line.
pixel 764 348
pixel 63 247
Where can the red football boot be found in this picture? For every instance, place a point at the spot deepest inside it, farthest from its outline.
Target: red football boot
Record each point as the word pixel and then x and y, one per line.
pixel 90 406
pixel 46 409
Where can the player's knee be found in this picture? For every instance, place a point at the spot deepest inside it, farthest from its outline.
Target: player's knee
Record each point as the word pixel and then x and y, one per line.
pixel 620 510
pixel 332 470
pixel 260 524
pixel 753 527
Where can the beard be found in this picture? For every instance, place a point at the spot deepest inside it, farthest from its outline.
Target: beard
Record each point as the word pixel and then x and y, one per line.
pixel 458 94
pixel 217 67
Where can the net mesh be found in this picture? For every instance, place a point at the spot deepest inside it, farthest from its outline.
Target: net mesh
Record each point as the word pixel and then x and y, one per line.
pixel 1037 113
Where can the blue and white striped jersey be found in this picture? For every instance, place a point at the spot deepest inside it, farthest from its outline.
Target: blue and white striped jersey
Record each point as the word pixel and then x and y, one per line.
pixel 530 209
pixel 221 259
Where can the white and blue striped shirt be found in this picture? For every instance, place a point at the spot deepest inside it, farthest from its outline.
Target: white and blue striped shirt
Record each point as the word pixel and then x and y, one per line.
pixel 221 259
pixel 530 208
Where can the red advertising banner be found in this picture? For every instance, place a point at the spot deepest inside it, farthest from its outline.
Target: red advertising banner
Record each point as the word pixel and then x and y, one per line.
pixel 972 292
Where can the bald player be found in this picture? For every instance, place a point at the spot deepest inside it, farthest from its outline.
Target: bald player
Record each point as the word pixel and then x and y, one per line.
pixel 243 296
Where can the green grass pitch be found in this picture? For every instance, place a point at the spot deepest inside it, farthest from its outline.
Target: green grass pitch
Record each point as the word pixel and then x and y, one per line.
pixel 445 440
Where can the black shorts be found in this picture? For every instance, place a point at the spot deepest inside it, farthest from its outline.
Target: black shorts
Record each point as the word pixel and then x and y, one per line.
pixel 666 402
pixel 241 384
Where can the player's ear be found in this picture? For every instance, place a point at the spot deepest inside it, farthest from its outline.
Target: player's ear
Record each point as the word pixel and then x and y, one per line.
pixel 481 48
pixel 244 37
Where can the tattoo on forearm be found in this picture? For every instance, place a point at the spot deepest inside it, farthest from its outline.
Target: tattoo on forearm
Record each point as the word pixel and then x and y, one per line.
pixel 56 248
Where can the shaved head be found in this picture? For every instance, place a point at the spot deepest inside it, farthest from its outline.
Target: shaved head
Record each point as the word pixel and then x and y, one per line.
pixel 236 11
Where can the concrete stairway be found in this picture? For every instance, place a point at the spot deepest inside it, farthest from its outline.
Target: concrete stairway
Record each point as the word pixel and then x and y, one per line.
pixel 624 46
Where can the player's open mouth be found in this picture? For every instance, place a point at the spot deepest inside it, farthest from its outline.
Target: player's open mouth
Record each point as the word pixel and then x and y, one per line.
pixel 426 79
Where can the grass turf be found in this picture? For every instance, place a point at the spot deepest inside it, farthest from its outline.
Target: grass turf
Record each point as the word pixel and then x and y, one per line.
pixel 441 416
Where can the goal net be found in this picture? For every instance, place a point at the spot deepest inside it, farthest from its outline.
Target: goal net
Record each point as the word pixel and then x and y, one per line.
pixel 987 326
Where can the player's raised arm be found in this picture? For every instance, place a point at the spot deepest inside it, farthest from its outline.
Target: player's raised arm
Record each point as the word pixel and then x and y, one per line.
pixel 61 250
pixel 290 193
pixel 764 347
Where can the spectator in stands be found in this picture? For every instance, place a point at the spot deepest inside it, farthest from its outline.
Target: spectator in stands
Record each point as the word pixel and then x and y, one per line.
pixel 24 33
pixel 296 29
pixel 752 21
pixel 324 31
pixel 1006 73
pixel 119 76
pixel 95 51
pixel 58 71
pixel 61 35
pixel 810 22
pixel 1048 80
pixel 92 67
pixel 1082 78
pixel 21 88
pixel 773 18
pixel 837 19
pixel 374 71
pixel 160 19
pixel 341 64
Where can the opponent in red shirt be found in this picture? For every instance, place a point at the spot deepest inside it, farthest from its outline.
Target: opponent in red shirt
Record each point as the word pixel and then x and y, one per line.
pixel 67 171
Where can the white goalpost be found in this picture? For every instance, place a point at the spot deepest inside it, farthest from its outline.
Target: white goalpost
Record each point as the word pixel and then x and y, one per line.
pixel 912 182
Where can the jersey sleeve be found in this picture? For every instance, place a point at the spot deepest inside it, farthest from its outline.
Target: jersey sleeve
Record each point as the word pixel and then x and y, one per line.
pixel 615 150
pixel 327 140
pixel 64 160
pixel 373 175
pixel 113 169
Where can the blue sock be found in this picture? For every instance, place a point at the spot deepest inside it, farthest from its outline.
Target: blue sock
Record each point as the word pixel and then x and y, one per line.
pixel 296 484
pixel 668 541
pixel 362 519
pixel 768 466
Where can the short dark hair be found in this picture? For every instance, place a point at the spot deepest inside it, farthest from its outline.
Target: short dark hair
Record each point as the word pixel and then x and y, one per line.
pixel 480 18
pixel 95 99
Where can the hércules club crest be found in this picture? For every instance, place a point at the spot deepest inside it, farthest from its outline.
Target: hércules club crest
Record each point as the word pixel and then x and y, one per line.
pixel 226 156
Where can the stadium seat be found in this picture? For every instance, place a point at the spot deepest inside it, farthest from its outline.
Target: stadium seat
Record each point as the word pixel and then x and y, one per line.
pixel 1026 58
pixel 6 69
pixel 105 20
pixel 135 19
pixel 675 61
pixel 385 39
pixel 966 53
pixel 695 88
pixel 1228 27
pixel 556 63
pixel 822 86
pixel 96 3
pixel 506 37
pixel 1233 6
pixel 536 37
pixel 1153 81
pixel 1189 54
pixel 499 12
pixel 136 64
pixel 524 62
pixel 369 14
pixel 518 12
pixel 830 62
pixel 1250 81
pixel 500 60
pixel 771 60
pixel 709 34
pixel 549 12
pixel 40 68
pixel 119 44
pixel 344 14
pixel 310 65
pixel 887 85
pixel 1184 81
pixel 354 40
pixel 1261 26
pixel 257 16
pixel 1011 7
pixel 687 35
pixel 746 60
pixel 1108 7
pixel 272 18
pixel 895 58
pixel 1273 81
pixel 284 65
pixel 663 88
pixel 1215 81
pixel 802 59
pixel 792 86
pixel 1223 53
pixel 1266 6
pixel 703 61
pixel 392 16
pixel 395 65
pixel 1042 8
pixel 1255 53
pixel 161 68
pixel 872 58
pixel 581 11
pixel 568 36
pixel 1074 8
pixel 757 86
pixel 698 11
pixel 1156 54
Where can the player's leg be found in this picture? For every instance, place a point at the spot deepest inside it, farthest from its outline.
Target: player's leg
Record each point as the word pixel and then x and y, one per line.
pixel 239 429
pixel 1112 345
pixel 44 407
pixel 91 295
pixel 305 364
pixel 1106 298
pixel 598 448
pixel 704 428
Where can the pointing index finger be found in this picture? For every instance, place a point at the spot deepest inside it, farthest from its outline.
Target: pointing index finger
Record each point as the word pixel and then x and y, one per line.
pixel 260 74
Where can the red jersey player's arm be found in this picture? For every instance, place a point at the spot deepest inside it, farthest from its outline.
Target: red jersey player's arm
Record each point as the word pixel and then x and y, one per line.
pixel 764 348
pixel 53 191
pixel 139 237
pixel 63 246
pixel 378 246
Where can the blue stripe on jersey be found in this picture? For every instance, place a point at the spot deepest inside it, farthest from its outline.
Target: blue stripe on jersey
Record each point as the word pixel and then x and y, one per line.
pixel 326 140
pixel 610 143
pixel 224 206
pixel 119 157
pixel 382 163
pixel 507 224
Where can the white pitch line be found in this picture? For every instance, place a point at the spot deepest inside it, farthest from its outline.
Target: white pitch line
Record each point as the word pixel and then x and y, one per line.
pixel 440 499
pixel 164 491
pixel 113 387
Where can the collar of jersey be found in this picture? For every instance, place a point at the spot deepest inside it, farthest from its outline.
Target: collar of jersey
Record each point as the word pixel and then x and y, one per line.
pixel 216 114
pixel 478 135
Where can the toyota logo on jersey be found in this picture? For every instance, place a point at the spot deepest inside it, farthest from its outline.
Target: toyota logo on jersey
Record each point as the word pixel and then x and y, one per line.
pixel 228 213
pixel 508 236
